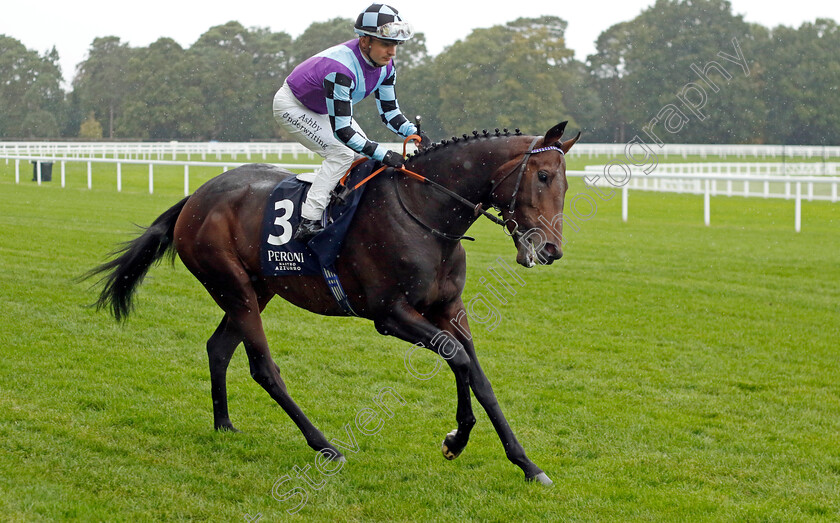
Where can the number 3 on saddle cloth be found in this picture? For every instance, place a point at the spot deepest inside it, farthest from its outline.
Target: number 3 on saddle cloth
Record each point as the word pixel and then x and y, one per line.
pixel 280 255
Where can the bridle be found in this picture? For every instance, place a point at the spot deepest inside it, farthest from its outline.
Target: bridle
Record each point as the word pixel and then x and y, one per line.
pixel 510 225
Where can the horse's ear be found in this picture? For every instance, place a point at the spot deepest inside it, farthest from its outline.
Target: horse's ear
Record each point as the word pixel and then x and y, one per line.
pixel 569 143
pixel 553 135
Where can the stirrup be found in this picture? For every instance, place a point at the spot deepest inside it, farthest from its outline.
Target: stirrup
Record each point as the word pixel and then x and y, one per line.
pixel 339 195
pixel 307 229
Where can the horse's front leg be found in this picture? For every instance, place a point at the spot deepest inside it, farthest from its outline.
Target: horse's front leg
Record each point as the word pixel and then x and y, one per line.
pixel 456 319
pixel 404 322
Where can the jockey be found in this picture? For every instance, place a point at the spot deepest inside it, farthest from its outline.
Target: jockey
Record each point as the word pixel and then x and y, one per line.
pixel 315 105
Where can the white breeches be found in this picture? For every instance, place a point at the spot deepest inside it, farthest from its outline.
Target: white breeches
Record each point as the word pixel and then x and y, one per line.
pixel 313 130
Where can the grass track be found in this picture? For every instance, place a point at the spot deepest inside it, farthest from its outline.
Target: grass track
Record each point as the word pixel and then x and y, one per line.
pixel 663 370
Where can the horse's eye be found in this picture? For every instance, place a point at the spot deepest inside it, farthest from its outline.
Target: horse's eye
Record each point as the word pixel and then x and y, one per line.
pixel 542 176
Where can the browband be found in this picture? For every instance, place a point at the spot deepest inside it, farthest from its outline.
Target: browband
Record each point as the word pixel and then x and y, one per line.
pixel 549 148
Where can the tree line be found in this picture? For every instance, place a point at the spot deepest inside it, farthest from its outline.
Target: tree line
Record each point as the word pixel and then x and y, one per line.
pixel 671 74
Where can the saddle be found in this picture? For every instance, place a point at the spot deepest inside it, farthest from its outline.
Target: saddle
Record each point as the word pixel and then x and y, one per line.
pixel 280 253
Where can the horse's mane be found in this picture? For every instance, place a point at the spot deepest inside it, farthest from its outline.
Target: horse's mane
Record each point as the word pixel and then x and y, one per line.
pixel 441 146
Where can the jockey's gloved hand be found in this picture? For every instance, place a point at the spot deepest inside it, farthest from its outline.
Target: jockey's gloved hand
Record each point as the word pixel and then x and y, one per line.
pixel 393 159
pixel 425 142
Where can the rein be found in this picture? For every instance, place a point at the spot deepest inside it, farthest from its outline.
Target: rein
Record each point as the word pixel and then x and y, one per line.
pixel 435 232
pixel 477 209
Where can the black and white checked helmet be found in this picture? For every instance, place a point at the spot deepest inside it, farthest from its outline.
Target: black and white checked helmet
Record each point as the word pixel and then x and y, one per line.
pixel 383 22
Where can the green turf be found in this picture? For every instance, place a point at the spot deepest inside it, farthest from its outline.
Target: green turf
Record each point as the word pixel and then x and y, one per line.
pixel 662 370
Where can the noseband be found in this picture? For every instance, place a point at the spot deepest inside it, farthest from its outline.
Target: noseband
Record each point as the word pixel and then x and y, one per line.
pixel 509 225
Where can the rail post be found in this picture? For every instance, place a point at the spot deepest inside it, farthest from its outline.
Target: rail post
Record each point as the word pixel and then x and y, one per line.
pixel 624 193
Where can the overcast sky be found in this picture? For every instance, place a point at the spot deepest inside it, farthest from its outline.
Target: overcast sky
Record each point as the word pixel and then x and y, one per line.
pixel 71 26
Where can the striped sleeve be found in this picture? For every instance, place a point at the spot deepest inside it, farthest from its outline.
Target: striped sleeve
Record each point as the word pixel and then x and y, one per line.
pixel 389 109
pixel 339 90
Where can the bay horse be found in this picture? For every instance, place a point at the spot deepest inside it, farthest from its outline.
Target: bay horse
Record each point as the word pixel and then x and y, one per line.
pixel 402 264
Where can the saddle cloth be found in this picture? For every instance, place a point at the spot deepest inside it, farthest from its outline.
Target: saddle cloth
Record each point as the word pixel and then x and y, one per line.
pixel 280 255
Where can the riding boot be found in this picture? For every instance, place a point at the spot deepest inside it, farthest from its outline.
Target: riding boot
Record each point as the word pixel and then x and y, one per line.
pixel 307 230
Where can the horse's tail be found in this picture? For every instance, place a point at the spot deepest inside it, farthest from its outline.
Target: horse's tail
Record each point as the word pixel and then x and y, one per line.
pixel 124 273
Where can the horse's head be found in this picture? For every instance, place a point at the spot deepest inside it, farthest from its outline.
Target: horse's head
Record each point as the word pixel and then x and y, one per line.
pixel 530 190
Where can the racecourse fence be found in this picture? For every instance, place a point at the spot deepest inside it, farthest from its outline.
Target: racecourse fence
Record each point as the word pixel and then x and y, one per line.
pixel 249 151
pixel 266 150
pixel 119 162
pixel 746 179
pixel 749 180
pixel 760 179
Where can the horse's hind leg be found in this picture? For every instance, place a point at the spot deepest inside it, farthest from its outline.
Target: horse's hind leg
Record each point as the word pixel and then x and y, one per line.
pixel 220 348
pixel 238 298
pixel 265 372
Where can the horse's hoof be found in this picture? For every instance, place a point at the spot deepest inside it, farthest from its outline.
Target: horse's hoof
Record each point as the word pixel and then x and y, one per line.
pixel 227 428
pixel 333 455
pixel 542 478
pixel 449 444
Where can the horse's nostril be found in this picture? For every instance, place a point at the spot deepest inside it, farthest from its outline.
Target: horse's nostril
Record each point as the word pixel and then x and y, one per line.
pixel 553 251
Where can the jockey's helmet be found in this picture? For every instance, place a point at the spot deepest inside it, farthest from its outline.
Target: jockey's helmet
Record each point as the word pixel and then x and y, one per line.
pixel 383 22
